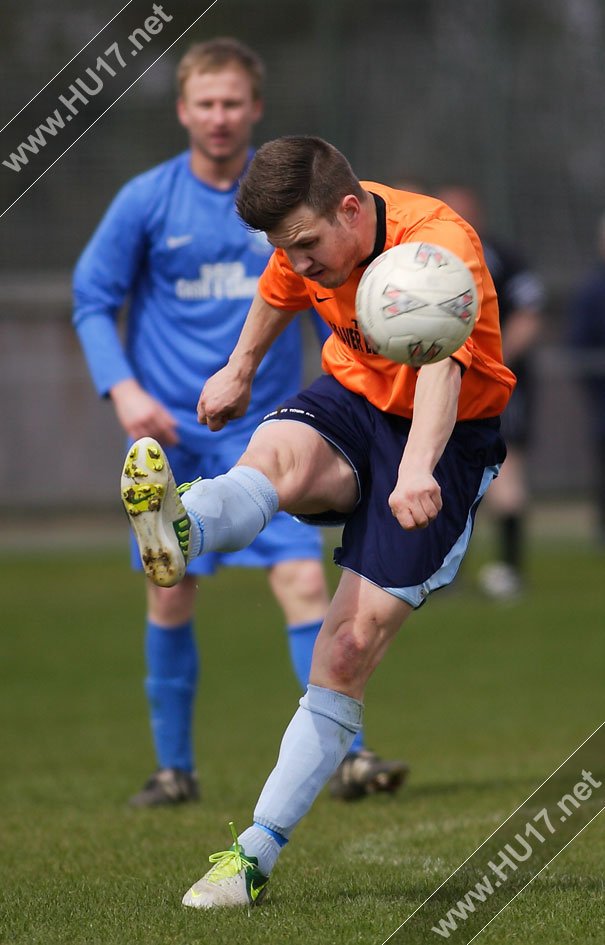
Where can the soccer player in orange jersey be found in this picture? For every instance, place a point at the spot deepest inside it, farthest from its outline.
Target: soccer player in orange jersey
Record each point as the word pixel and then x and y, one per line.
pixel 400 456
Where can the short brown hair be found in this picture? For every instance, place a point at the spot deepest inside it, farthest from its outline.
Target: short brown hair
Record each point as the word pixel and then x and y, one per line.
pixel 214 55
pixel 290 171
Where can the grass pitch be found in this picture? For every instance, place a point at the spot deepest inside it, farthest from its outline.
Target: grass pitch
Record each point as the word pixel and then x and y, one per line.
pixel 484 701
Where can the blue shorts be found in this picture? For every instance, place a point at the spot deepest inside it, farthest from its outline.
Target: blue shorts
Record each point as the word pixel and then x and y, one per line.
pixel 408 564
pixel 284 538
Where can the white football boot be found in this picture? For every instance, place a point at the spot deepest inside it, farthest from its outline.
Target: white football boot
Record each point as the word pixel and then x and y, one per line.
pixel 233 880
pixel 157 515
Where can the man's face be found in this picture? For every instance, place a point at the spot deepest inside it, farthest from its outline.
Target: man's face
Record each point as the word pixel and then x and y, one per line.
pixel 319 249
pixel 219 112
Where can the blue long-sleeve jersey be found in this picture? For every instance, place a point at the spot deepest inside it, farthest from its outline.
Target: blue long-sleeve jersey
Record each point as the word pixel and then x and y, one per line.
pixel 176 249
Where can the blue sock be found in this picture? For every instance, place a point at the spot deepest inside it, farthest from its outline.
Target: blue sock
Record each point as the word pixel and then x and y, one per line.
pixel 172 671
pixel 301 640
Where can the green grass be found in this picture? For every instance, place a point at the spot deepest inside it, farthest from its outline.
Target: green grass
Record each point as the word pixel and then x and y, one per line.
pixel 484 701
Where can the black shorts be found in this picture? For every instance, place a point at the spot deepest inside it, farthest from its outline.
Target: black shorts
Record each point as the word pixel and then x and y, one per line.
pixel 518 414
pixel 516 418
pixel 408 564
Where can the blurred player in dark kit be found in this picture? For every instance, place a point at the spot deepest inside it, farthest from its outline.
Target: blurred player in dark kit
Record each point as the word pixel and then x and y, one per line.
pixel 586 334
pixel 520 300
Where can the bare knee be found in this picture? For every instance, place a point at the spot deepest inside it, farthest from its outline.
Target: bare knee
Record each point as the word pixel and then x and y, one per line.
pixel 299 586
pixel 350 655
pixel 171 606
pixel 276 459
pixel 359 626
pixel 346 656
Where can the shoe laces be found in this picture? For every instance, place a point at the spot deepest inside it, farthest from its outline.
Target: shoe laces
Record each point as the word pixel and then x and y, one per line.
pixel 186 486
pixel 228 863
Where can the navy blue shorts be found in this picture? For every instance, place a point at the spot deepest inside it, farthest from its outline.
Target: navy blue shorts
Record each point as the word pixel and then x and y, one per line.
pixel 408 564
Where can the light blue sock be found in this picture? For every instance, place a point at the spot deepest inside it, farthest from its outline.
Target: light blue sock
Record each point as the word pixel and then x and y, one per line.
pixel 172 667
pixel 301 640
pixel 315 742
pixel 227 513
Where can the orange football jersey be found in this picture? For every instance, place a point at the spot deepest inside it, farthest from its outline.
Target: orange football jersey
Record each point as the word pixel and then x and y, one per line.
pixel 347 355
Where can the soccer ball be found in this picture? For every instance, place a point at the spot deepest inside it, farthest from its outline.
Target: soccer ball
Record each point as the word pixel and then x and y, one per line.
pixel 416 303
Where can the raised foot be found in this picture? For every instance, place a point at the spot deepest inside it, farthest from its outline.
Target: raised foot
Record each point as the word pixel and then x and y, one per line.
pixel 157 515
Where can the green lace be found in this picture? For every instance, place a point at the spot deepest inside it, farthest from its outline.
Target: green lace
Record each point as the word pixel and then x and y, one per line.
pixel 186 486
pixel 228 862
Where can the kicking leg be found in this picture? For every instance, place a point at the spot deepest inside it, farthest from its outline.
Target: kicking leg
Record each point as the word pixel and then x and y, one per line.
pixel 287 466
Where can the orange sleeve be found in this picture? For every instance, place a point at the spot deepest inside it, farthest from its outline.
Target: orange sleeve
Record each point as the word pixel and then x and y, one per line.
pixel 281 287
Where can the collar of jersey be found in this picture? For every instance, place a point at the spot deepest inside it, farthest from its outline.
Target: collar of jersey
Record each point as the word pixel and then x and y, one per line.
pixel 381 231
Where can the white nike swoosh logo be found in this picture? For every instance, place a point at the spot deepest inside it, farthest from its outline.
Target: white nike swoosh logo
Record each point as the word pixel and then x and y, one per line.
pixel 173 242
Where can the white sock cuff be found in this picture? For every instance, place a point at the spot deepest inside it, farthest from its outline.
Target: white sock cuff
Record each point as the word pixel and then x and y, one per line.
pixel 196 534
pixel 342 709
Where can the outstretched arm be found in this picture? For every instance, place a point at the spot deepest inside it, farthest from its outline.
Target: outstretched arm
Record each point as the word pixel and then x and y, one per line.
pixel 104 276
pixel 226 394
pixel 416 498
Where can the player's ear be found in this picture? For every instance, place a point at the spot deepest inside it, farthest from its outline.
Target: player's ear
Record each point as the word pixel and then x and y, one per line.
pixel 258 109
pixel 350 209
pixel 181 112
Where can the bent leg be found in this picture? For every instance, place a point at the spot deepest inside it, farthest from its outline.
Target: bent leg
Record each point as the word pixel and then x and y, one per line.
pixel 287 466
pixel 308 473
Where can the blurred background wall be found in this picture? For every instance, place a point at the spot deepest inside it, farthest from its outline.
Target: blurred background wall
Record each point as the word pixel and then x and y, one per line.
pixel 503 94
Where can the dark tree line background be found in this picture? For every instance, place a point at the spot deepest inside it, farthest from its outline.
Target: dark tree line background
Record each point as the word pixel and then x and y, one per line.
pixel 502 93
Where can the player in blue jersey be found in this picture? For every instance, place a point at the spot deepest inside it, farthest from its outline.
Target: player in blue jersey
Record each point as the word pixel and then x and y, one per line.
pixel 172 244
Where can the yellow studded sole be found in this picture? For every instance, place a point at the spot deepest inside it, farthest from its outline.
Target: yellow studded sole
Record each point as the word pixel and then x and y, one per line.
pixel 142 497
pixel 157 515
